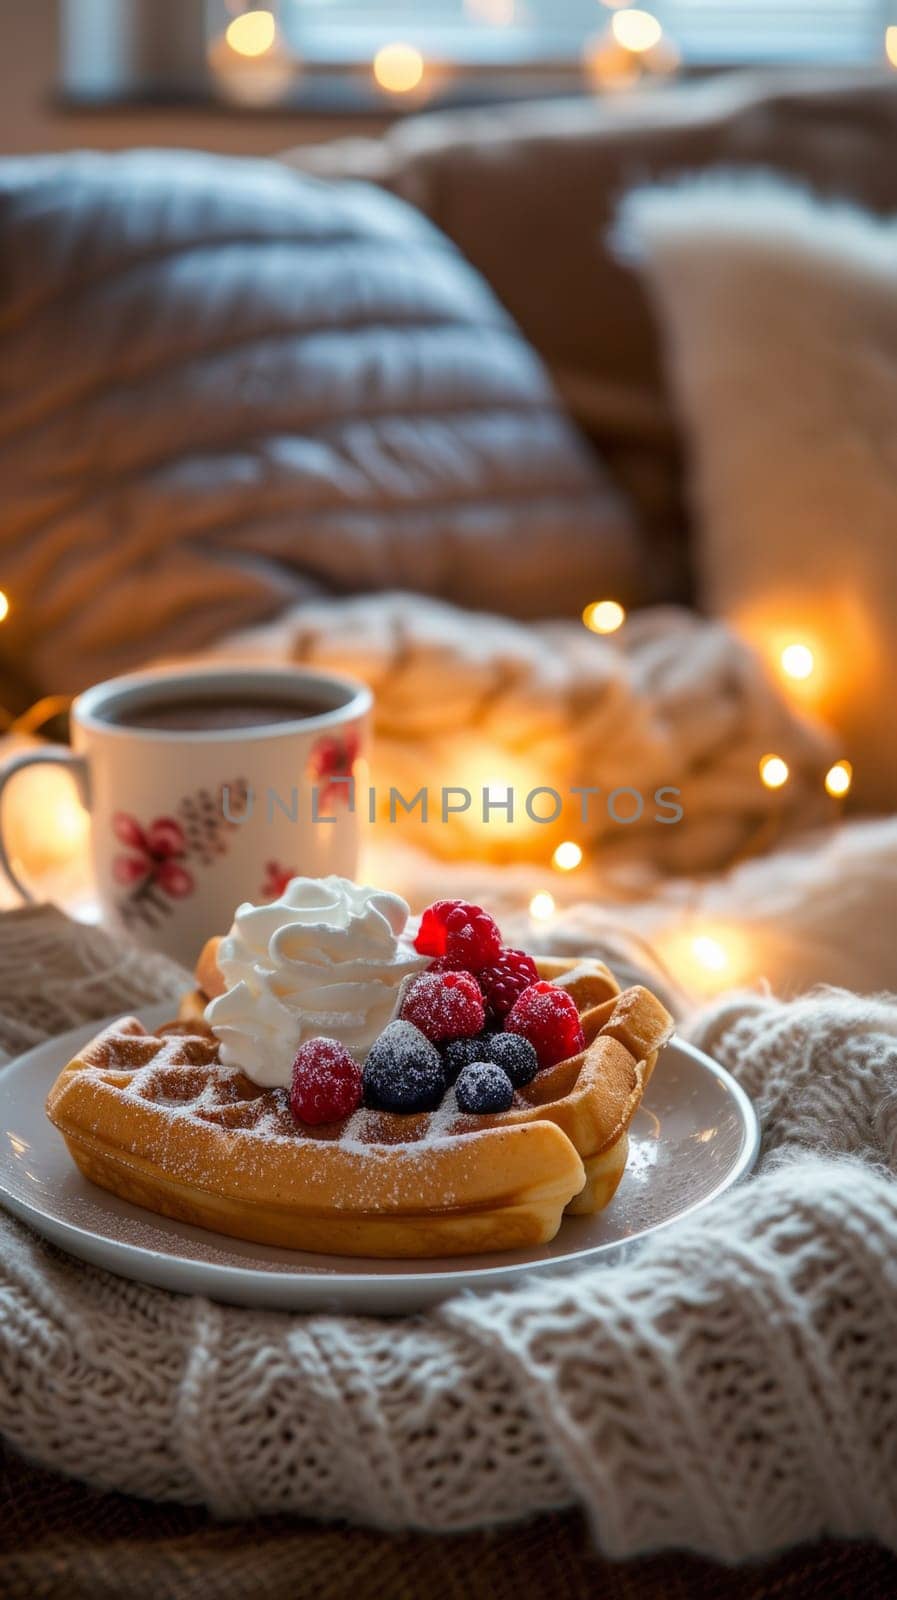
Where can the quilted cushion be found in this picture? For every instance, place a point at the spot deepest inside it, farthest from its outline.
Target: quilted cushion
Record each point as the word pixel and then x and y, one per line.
pixel 227 385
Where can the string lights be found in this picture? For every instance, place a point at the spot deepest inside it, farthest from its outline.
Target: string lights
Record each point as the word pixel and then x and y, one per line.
pixel 604 616
pixel 252 64
pixel 633 46
pixel 568 856
pixel 398 68
pixel 797 661
pixel 542 906
pixel 635 30
pixel 249 62
pixel 709 953
pixel 706 958
pixel 252 33
pixel 774 772
pixel 838 779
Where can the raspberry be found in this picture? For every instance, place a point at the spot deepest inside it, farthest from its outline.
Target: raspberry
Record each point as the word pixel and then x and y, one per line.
pixel 465 933
pixel 403 1071
pixel 326 1082
pixel 505 979
pixel 548 1018
pixel 483 1087
pixel 446 964
pixel 444 1005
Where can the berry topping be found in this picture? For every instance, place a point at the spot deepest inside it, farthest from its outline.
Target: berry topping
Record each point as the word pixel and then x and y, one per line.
pixel 444 1005
pixel 459 1053
pixel 482 1087
pixel 326 1082
pixel 510 1051
pixel 403 1071
pixel 466 934
pixel 514 1054
pixel 548 1018
pixel 505 979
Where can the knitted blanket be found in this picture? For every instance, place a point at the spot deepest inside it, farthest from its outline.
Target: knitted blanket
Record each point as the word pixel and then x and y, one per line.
pixel 732 1389
pixel 671 700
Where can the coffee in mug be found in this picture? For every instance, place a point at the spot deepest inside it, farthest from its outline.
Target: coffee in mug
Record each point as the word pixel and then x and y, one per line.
pixel 210 786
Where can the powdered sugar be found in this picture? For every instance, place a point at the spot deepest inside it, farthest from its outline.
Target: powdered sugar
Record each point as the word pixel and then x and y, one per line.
pixel 444 1005
pixel 224 1095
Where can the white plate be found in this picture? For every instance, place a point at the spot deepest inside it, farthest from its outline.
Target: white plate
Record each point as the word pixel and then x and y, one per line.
pixel 695 1135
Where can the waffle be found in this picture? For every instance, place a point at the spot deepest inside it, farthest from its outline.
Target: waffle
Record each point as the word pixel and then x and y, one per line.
pixel 159 1120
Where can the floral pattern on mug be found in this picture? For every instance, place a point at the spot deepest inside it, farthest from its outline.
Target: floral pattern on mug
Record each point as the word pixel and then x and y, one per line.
pixel 331 764
pixel 154 870
pixel 276 880
pixel 155 856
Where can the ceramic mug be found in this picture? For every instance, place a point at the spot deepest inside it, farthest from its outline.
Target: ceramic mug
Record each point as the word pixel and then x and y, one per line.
pixel 186 823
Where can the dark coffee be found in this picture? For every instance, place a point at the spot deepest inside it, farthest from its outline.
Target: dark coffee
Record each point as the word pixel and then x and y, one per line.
pixel 199 715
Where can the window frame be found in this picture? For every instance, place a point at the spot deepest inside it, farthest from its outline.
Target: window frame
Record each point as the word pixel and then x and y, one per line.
pixel 163 59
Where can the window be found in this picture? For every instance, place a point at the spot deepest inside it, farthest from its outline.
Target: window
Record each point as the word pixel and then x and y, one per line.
pixel 369 52
pixel 843 32
pixel 704 31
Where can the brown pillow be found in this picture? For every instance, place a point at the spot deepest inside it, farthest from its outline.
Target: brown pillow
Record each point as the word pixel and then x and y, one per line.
pixel 529 193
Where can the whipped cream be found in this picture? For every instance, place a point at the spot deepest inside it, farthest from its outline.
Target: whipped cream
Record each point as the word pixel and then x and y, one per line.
pixel 326 959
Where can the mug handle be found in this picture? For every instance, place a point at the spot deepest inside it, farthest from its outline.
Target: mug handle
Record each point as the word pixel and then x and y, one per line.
pixel 56 755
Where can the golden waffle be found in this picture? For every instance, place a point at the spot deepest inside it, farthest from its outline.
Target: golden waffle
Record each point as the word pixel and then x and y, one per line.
pixel 159 1120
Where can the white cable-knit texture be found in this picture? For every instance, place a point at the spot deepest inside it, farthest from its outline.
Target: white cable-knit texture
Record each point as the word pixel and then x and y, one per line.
pixel 733 1388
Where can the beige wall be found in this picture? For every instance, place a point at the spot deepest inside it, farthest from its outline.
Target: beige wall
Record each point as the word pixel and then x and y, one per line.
pixel 30 121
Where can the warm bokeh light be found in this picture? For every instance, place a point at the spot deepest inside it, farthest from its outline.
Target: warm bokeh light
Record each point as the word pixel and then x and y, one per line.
pixel 829 622
pixel 774 772
pixel 709 953
pixel 252 33
pixel 398 68
pixel 838 779
pixel 891 45
pixel 494 780
pixel 797 660
pixel 607 67
pixel 497 791
pixel 567 856
pixel 4 606
pixel 48 826
pixel 541 907
pixel 707 958
pixel 69 824
pixel 604 616
pixel 636 30
pixel 490 823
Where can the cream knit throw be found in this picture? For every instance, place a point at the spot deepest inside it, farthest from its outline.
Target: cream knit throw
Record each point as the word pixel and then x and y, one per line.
pixel 732 1389
pixel 672 699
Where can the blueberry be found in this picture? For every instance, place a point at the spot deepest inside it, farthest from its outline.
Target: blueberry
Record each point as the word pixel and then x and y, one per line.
pixel 513 1053
pixel 459 1054
pixel 482 1086
pixel 403 1071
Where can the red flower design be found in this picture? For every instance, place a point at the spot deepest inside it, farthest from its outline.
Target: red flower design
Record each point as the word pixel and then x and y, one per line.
pixel 154 858
pixel 331 763
pixel 276 880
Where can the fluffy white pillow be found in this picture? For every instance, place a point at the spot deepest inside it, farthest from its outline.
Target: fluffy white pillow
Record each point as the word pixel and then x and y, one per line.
pixel 780 313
